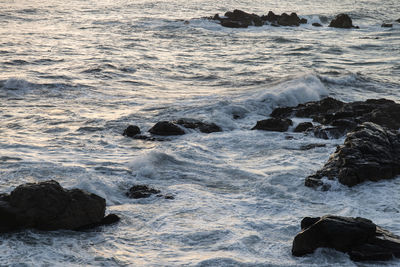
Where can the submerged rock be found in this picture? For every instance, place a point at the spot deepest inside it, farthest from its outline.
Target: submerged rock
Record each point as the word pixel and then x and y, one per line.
pixel 196 124
pixel 359 237
pixel 166 128
pixel 316 24
pixel 369 153
pixel 342 21
pixel 48 206
pixel 387 25
pixel 311 146
pixel 144 191
pixel 273 124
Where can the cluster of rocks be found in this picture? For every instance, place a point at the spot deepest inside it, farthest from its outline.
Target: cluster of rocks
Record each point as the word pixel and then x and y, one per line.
pixel 240 19
pixel 359 237
pixel 48 206
pixel 144 191
pixel 167 128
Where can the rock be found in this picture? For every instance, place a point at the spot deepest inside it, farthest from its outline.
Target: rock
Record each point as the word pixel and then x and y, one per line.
pixel 398 20
pixel 271 17
pixel 316 24
pixel 343 117
pixel 342 21
pixel 131 131
pixel 359 237
pixel 239 19
pixel 141 191
pixel 166 128
pixel 273 124
pixel 303 126
pixel 48 206
pixel 387 25
pixel 303 21
pixel 369 153
pixel 289 20
pixel 196 124
pixel 311 146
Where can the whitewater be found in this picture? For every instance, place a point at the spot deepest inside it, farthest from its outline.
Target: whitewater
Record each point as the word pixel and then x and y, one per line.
pixel 74 75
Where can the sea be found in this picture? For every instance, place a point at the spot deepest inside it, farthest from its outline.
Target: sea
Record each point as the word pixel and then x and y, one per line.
pixel 74 74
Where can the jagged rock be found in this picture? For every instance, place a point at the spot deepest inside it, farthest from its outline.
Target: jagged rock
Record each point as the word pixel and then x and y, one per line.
pixel 369 153
pixel 48 206
pixel 359 237
pixel 387 25
pixel 316 24
pixel 342 21
pixel 196 124
pixel 303 126
pixel 131 131
pixel 289 20
pixel 270 17
pixel 273 124
pixel 239 19
pixel 344 117
pixel 166 128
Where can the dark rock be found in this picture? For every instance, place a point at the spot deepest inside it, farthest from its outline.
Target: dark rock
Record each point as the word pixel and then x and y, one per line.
pixel 289 20
pixel 398 20
pixel 303 21
pixel 387 25
pixel 316 24
pixel 109 219
pixel 273 124
pixel 141 191
pixel 239 19
pixel 169 197
pixel 131 131
pixel 271 17
pixel 303 126
pixel 48 206
pixel 311 146
pixel 196 124
pixel 369 153
pixel 359 237
pixel 166 128
pixel 342 21
pixel 343 117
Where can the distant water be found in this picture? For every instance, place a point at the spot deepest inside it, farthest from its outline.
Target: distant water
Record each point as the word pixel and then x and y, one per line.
pixel 74 74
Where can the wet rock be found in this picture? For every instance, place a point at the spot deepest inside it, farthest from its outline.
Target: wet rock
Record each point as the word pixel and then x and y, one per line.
pixel 316 24
pixel 343 117
pixel 359 237
pixel 196 124
pixel 369 153
pixel 303 126
pixel 398 20
pixel 289 20
pixel 270 17
pixel 273 124
pixel 387 25
pixel 342 21
pixel 303 21
pixel 131 131
pixel 311 146
pixel 239 19
pixel 48 206
pixel 141 191
pixel 166 128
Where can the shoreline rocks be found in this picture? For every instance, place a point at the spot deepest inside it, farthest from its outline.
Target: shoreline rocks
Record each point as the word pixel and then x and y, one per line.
pixel 47 206
pixel 369 153
pixel 359 237
pixel 342 21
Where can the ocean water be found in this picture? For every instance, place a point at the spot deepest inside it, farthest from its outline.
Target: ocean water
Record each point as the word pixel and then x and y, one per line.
pixel 74 74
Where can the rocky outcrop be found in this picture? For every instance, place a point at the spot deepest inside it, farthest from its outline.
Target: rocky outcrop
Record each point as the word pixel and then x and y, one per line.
pixel 369 153
pixel 339 118
pixel 166 128
pixel 360 238
pixel 48 206
pixel 144 191
pixel 273 124
pixel 241 19
pixel 342 21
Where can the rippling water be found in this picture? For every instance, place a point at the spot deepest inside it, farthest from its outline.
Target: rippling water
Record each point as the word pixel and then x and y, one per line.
pixel 74 74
